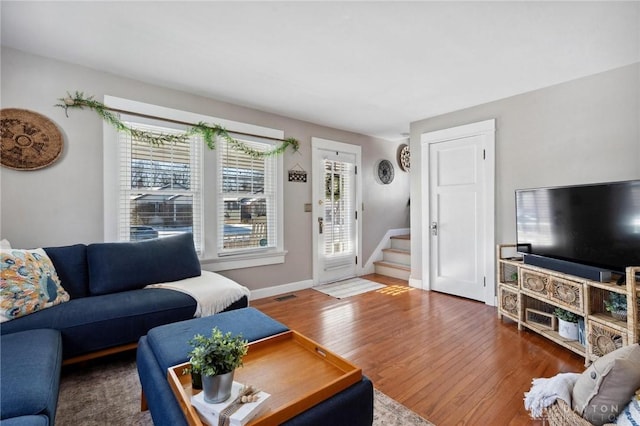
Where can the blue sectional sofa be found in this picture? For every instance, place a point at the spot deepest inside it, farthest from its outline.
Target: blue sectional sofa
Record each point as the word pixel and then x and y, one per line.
pixel 108 311
pixel 168 345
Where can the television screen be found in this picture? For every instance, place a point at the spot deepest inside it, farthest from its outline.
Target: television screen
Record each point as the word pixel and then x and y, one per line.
pixel 596 225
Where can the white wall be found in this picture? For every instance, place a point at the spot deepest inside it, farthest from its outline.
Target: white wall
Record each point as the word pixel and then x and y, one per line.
pixel 582 131
pixel 63 204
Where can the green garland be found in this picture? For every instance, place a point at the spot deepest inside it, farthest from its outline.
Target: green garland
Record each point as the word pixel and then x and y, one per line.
pixel 209 133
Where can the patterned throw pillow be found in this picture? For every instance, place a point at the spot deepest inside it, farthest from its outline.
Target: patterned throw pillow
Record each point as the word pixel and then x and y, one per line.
pixel 28 283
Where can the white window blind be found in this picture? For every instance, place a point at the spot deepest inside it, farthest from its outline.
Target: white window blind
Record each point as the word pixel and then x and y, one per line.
pixel 339 214
pixel 159 187
pixel 246 199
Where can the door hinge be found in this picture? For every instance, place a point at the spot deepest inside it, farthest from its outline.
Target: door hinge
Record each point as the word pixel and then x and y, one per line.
pixel 484 280
pixel 484 154
pixel 356 260
pixel 356 212
pixel 356 172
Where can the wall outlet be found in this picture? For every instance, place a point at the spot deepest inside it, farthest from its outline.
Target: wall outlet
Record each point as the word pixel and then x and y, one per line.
pixel 307 207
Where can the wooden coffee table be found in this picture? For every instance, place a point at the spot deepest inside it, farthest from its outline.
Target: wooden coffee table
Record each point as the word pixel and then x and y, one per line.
pixel 296 371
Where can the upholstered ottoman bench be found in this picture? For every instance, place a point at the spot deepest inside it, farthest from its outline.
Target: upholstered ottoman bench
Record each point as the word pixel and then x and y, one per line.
pixel 30 364
pixel 168 345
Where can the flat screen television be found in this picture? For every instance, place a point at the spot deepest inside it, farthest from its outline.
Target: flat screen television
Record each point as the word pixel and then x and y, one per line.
pixel 596 225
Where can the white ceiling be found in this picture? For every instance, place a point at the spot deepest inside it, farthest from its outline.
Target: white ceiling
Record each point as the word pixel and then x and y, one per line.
pixel 367 67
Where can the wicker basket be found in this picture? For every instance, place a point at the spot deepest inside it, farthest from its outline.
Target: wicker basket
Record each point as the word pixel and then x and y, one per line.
pixel 560 414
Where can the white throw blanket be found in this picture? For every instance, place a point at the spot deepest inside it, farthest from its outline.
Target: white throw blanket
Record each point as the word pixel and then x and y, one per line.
pixel 212 291
pixel 545 392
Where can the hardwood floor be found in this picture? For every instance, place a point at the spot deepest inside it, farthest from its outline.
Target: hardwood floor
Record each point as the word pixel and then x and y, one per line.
pixel 448 359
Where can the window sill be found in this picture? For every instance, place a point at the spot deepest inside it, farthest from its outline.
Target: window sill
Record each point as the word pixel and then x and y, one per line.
pixel 245 260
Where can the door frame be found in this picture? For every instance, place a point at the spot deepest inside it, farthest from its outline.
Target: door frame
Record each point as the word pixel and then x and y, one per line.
pixel 485 130
pixel 318 144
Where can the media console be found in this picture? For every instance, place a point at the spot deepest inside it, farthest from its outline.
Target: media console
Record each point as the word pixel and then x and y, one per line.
pixel 528 294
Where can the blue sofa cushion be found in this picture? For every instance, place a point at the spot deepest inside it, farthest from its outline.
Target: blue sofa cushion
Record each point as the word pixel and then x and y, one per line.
pixel 72 269
pixel 170 342
pixel 115 267
pixel 94 323
pixel 30 363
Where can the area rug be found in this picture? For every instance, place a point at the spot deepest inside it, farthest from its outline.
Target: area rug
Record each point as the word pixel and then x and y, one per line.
pixel 348 288
pixel 107 392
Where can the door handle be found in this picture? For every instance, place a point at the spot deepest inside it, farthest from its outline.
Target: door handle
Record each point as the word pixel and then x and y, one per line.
pixel 434 228
pixel 320 224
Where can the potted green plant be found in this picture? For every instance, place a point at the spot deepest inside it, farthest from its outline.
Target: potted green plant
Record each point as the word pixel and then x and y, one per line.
pixel 617 305
pixel 567 324
pixel 215 359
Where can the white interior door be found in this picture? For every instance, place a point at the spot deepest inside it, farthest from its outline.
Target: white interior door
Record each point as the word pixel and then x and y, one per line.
pixel 335 212
pixel 461 214
pixel 455 218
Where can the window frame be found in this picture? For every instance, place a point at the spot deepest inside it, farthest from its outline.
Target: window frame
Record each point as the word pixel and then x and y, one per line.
pixel 209 256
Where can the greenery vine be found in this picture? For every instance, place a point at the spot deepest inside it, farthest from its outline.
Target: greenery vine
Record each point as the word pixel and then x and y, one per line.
pixel 209 133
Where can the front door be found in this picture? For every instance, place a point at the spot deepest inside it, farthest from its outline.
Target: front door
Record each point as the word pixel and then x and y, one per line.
pixel 335 213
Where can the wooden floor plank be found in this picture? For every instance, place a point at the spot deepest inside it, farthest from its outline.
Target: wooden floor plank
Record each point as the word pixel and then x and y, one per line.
pixel 447 358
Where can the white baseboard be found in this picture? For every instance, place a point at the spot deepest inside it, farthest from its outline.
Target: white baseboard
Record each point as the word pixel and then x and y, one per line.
pixel 369 267
pixel 262 293
pixel 416 283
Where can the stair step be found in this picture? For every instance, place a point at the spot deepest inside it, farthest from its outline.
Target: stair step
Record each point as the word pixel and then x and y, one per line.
pixel 395 250
pixel 392 269
pixel 401 242
pixel 392 265
pixel 393 255
pixel 402 237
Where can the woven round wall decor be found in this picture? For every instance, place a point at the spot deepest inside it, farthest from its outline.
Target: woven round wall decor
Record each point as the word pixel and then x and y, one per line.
pixel 404 157
pixel 30 141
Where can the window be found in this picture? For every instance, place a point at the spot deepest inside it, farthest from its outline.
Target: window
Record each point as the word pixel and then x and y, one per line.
pixel 246 199
pixel 231 202
pixel 159 186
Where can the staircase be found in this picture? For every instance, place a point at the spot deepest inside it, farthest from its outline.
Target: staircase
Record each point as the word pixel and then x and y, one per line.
pixel 396 261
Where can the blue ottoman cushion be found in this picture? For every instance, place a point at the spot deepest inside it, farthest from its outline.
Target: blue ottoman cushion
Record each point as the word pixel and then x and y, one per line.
pixel 353 406
pixel 170 343
pixel 26 421
pixel 30 362
pixel 115 267
pixel 164 407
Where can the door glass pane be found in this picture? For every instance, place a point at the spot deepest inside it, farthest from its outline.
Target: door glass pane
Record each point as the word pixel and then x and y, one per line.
pixel 338 208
